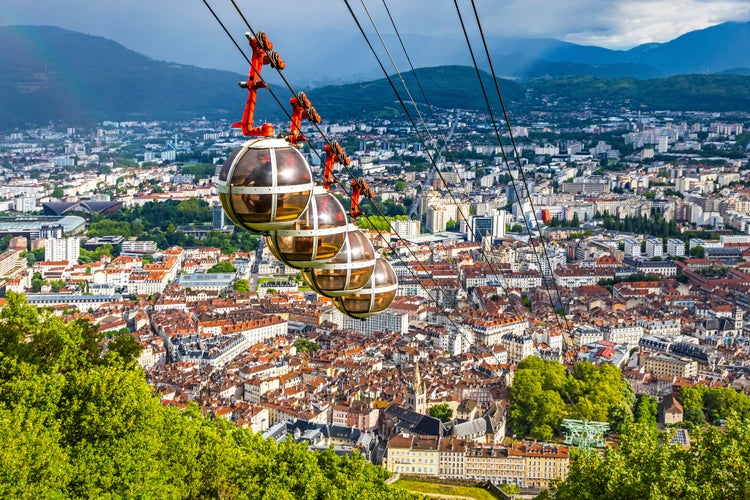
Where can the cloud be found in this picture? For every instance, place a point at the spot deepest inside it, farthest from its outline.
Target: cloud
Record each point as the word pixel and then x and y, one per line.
pixel 185 32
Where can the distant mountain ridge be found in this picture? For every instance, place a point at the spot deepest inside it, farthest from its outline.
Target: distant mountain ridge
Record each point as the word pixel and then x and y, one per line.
pixel 51 74
pixel 711 50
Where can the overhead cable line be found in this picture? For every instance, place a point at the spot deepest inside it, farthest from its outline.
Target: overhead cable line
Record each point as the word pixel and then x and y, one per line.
pixel 505 156
pixel 517 155
pixel 375 206
pixel 523 176
pixel 431 158
pixel 418 80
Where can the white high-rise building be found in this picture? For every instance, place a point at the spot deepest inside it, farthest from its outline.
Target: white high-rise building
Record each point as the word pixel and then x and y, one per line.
pixel 632 248
pixel 654 247
pixel 406 228
pixel 63 249
pixel 675 247
pixel 438 217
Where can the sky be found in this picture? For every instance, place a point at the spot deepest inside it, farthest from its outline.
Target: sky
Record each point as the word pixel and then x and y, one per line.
pixel 184 31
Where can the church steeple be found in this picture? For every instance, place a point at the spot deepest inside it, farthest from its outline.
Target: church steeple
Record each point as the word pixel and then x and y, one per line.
pixel 416 396
pixel 416 384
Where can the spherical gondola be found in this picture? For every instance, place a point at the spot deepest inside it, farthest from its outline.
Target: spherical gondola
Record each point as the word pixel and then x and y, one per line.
pixel 316 237
pixel 376 295
pixel 266 184
pixel 348 271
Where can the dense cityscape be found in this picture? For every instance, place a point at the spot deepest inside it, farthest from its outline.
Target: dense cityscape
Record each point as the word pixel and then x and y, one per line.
pixel 615 238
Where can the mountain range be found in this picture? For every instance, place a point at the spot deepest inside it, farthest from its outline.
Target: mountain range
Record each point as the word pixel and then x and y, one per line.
pixel 52 74
pixel 716 49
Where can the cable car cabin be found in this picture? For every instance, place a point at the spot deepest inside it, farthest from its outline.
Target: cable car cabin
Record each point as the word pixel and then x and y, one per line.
pixel 266 184
pixel 376 295
pixel 316 237
pixel 348 271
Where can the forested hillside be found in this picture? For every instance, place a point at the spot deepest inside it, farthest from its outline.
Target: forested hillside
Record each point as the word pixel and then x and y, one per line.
pixel 79 423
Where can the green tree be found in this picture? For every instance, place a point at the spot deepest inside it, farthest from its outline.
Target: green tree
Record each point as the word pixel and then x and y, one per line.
pixel 223 267
pixel 57 285
pixel 647 465
pixel 306 345
pixel 646 410
pixel 442 411
pixel 698 252
pixel 37 282
pixel 126 347
pixel 691 399
pixel 241 285
pixel 537 406
pixel 77 423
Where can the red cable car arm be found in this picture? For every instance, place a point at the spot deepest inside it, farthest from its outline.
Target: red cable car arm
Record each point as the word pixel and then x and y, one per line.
pixel 301 109
pixel 334 154
pixel 359 188
pixel 262 54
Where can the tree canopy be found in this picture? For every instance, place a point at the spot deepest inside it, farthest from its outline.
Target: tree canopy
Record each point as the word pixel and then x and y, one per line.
pixel 646 464
pixel 442 411
pixel 543 393
pixel 78 422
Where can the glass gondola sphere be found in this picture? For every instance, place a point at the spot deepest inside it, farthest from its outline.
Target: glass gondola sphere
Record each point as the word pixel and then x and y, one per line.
pixel 265 184
pixel 316 237
pixel 348 271
pixel 376 295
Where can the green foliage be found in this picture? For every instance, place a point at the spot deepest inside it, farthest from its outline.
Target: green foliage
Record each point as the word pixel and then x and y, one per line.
pixel 442 411
pixel 199 170
pixel 646 410
pixel 645 465
pixel 241 285
pixel 34 256
pixel 88 256
pixel 378 222
pixel 223 267
pixel 306 345
pixel 388 208
pixel 656 226
pixel 543 393
pixel 37 282
pixel 5 242
pixel 57 285
pixel 400 185
pixel 691 399
pixel 79 424
pixel 697 252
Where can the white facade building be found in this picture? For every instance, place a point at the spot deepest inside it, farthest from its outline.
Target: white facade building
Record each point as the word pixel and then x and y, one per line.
pixel 63 249
pixel 654 248
pixel 675 247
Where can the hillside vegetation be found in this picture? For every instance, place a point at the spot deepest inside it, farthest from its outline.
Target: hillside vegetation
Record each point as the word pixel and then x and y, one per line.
pixel 51 74
pixel 78 423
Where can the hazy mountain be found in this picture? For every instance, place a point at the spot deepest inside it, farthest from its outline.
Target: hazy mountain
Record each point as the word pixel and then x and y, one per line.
pixel 53 74
pixel 711 50
pixel 50 74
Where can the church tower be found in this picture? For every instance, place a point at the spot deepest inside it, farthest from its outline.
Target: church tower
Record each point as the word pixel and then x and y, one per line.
pixel 416 397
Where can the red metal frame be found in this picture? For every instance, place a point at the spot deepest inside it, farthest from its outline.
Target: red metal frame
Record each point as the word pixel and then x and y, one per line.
pixel 334 154
pixel 301 109
pixel 359 188
pixel 260 44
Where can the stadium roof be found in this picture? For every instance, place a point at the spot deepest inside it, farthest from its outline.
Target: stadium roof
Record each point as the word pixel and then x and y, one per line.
pixel 88 207
pixel 71 223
